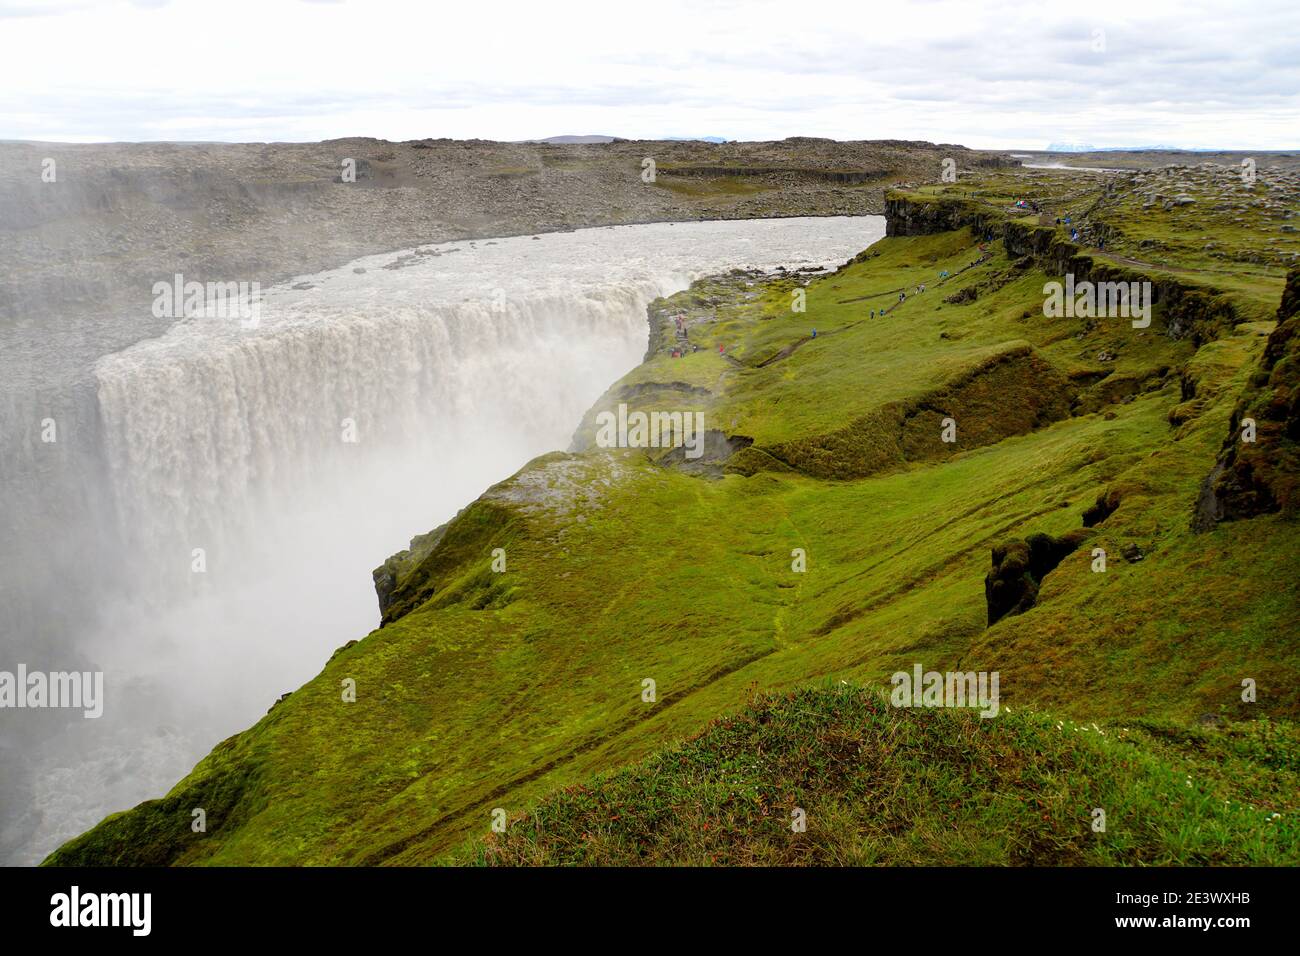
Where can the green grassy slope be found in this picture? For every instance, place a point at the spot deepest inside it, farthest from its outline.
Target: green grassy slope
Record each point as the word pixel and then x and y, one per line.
pixel 488 690
pixel 879 785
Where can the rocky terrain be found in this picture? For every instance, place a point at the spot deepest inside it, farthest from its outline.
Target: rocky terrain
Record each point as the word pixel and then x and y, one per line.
pixel 1135 159
pixel 119 217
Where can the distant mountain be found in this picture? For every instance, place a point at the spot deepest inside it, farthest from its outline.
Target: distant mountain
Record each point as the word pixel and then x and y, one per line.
pixel 1084 148
pixel 563 140
pixel 1153 149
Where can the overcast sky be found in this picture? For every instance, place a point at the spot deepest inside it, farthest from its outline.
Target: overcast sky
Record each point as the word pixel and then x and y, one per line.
pixel 994 73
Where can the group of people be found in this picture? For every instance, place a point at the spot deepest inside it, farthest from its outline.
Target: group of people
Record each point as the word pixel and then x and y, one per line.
pixel 1075 235
pixel 902 295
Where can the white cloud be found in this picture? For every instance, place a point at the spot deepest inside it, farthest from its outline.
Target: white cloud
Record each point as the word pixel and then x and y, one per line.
pixel 1000 73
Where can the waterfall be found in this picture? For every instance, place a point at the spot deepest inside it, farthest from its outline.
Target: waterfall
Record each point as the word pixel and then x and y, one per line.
pixel 204 528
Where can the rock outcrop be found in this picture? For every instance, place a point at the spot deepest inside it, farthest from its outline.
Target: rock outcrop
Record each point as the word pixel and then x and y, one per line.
pixel 912 215
pixel 1012 391
pixel 1011 586
pixel 1261 476
pixel 436 563
pixel 1189 311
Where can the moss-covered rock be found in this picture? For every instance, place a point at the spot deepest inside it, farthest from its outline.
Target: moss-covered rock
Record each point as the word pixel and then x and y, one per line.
pixel 1011 586
pixel 1262 475
pixel 1011 391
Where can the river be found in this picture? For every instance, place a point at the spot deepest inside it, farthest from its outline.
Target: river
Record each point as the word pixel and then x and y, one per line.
pixel 202 526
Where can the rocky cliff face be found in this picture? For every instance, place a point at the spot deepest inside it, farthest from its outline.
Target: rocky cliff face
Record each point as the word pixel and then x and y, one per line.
pixel 1192 312
pixel 907 215
pixel 1011 392
pixel 1259 473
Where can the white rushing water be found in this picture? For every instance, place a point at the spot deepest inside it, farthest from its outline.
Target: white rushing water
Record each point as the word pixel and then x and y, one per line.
pixel 450 366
